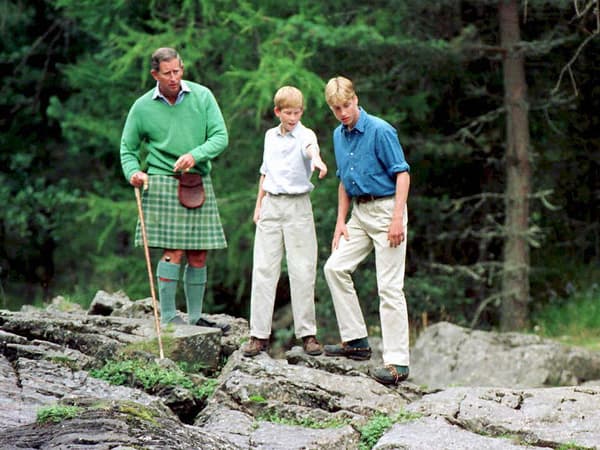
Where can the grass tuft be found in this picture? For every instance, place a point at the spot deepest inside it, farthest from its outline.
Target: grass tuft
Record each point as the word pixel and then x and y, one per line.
pixel 151 377
pixel 372 431
pixel 57 413
pixel 574 319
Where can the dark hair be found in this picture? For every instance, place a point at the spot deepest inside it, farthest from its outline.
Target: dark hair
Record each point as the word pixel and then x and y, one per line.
pixel 164 54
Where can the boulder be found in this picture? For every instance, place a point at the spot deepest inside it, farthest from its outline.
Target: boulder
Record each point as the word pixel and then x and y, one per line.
pixel 449 355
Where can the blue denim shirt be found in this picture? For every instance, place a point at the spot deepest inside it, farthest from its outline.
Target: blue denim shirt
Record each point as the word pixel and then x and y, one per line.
pixel 368 157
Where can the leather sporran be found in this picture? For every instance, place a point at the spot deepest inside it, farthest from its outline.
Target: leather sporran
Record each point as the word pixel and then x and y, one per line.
pixel 190 190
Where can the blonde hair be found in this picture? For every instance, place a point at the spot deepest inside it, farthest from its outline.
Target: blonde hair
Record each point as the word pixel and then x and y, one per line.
pixel 339 90
pixel 288 97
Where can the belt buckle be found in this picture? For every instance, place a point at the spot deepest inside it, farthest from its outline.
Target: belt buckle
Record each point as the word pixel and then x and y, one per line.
pixel 365 198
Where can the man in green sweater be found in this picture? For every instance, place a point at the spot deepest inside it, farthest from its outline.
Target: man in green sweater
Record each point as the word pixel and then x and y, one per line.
pixel 180 127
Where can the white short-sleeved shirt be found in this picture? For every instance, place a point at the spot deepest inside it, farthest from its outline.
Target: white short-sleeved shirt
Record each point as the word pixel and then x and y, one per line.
pixel 286 165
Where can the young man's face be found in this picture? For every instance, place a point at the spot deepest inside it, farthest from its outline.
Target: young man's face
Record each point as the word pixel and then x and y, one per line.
pixel 289 117
pixel 169 76
pixel 347 112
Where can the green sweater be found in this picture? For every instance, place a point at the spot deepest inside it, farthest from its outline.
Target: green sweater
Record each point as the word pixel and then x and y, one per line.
pixel 195 126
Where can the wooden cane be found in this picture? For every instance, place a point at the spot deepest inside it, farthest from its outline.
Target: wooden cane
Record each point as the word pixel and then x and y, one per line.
pixel 138 198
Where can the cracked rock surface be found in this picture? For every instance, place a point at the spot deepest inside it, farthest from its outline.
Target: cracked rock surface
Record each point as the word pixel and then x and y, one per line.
pixel 468 389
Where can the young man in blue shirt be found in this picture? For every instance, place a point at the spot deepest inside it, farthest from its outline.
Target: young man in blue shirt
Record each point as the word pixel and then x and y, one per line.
pixel 374 179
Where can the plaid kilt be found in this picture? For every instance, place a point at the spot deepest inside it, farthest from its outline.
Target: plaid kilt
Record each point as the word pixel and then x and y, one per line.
pixel 169 225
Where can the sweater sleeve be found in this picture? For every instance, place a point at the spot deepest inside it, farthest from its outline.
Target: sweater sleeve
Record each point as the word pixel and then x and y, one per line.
pixel 216 132
pixel 130 145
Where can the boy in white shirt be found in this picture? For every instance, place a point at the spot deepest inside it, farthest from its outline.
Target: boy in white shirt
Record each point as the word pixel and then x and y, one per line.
pixel 284 221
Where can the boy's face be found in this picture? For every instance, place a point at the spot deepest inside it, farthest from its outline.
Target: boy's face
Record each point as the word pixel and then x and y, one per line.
pixel 347 112
pixel 289 117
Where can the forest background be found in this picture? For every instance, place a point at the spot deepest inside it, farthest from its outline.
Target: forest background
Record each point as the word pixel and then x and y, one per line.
pixel 72 68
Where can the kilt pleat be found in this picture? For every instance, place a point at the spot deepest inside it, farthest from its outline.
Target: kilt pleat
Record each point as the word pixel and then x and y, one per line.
pixel 169 225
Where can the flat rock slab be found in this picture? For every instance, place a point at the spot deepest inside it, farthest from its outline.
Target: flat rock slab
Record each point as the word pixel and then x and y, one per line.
pixel 436 433
pixel 250 433
pixel 551 417
pixel 101 337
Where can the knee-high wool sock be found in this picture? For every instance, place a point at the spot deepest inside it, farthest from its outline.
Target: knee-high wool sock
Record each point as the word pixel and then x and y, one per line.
pixel 194 285
pixel 167 274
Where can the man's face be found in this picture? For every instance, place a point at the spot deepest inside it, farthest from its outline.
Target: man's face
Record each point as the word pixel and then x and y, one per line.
pixel 347 112
pixel 289 117
pixel 169 76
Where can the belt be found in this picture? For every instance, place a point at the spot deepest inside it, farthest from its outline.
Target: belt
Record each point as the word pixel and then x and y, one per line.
pixel 369 198
pixel 287 195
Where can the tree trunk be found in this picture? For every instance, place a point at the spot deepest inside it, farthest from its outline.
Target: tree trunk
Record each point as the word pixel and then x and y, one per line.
pixel 515 276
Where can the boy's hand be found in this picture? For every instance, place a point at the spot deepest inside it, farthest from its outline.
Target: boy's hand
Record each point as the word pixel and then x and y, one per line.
pixel 319 164
pixel 256 214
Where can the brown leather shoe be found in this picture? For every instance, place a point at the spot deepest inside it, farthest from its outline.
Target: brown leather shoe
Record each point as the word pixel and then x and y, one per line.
pixel 255 346
pixel 311 346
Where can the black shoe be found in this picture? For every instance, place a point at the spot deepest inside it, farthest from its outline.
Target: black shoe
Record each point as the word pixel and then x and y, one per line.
pixel 348 350
pixel 391 374
pixel 210 324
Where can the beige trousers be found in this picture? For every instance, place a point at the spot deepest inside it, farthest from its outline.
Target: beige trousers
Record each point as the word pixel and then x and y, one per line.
pixel 286 224
pixel 368 227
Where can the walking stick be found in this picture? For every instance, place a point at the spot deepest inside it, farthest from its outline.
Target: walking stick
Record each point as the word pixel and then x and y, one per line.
pixel 138 198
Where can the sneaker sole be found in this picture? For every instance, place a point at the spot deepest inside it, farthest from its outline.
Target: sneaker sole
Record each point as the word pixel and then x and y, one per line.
pixel 389 382
pixel 354 356
pixel 386 382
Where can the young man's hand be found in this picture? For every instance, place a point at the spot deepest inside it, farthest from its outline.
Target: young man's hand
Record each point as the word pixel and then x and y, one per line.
pixel 340 230
pixel 396 232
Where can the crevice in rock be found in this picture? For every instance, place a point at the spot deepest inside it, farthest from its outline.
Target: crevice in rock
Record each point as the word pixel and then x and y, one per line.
pixel 519 404
pixel 15 369
pixel 187 411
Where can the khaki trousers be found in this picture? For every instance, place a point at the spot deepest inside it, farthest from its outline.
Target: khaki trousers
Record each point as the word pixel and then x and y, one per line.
pixel 368 228
pixel 286 224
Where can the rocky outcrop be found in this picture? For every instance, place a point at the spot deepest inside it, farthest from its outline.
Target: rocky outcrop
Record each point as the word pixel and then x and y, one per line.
pixel 449 355
pixel 299 402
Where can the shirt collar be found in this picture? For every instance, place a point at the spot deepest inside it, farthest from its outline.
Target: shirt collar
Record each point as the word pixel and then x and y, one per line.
pixel 185 89
pixel 293 133
pixel 360 123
